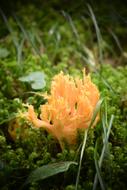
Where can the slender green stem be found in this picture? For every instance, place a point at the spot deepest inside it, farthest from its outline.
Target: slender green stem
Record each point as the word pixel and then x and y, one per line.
pixel 81 157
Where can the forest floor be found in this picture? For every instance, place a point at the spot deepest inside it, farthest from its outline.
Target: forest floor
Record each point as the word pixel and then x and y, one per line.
pixel 37 41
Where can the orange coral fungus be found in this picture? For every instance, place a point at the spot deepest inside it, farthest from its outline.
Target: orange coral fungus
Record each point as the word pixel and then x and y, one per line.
pixel 69 107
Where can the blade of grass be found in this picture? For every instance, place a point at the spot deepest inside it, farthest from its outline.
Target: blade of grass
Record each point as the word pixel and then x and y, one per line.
pixel 116 40
pixel 18 46
pixel 97 108
pixel 98 168
pixel 9 28
pixel 104 120
pixel 99 37
pixel 19 51
pixel 86 53
pixel 106 140
pixel 81 157
pixel 103 153
pixel 68 17
pixel 26 34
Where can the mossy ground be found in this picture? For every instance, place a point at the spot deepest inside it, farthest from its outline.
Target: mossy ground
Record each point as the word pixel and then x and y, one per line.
pixel 50 41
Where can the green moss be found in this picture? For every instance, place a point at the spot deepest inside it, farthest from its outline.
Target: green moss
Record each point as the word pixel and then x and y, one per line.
pixel 39 148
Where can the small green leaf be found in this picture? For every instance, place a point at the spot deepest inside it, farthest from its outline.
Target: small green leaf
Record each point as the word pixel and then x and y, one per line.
pixel 36 79
pixel 48 171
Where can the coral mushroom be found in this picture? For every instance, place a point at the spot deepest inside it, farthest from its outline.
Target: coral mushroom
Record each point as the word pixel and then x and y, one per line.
pixel 69 107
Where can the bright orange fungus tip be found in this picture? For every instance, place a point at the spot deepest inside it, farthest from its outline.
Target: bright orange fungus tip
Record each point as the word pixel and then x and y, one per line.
pixel 69 107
